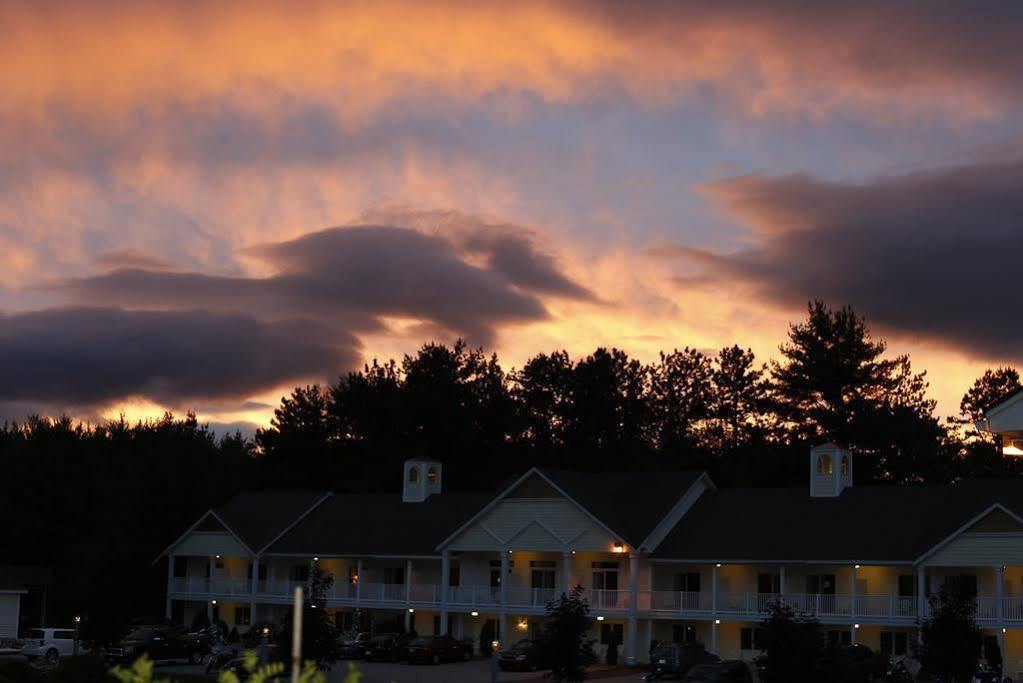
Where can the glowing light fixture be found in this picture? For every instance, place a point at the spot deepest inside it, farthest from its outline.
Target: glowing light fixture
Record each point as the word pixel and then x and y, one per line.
pixel 316 559
pixel 474 614
pixel 213 602
pixel 856 566
pixel 717 621
pixel 411 610
pixel 718 564
pixel 856 625
pixel 522 625
pixel 600 618
pixel 618 547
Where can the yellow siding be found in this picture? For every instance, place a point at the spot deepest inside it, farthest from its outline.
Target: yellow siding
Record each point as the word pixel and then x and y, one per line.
pixel 209 543
pixel 979 550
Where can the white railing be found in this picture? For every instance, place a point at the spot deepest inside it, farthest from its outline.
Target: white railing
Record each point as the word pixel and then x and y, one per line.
pixel 530 597
pixel 474 596
pixel 599 599
pixel 1012 608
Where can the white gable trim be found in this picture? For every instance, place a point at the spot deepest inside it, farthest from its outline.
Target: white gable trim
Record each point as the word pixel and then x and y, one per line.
pixel 511 487
pixel 294 523
pixel 674 516
pixel 526 527
pixel 955 534
pixel 188 532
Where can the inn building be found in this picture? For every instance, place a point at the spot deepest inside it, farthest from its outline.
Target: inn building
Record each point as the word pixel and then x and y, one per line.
pixel 661 556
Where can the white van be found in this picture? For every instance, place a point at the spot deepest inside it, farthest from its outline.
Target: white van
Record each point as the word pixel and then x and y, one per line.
pixel 49 643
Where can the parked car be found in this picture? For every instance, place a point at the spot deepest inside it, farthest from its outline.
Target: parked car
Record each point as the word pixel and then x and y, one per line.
pixel 49 644
pixel 387 647
pixel 720 672
pixel 159 644
pixel 353 647
pixel 675 660
pixel 525 655
pixel 437 649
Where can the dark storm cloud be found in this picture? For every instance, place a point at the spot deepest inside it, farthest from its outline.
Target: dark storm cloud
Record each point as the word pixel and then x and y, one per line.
pixel 171 335
pixel 931 254
pixel 350 277
pixel 86 356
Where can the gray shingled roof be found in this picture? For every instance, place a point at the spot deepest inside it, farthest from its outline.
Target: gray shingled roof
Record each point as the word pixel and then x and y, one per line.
pixel 259 516
pixel 628 503
pixel 380 524
pixel 866 523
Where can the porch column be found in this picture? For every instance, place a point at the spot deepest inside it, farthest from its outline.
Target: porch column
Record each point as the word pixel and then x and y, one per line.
pixel 408 595
pixel 921 600
pixel 358 582
pixel 504 598
pixel 445 579
pixel 566 571
pixel 999 607
pixel 714 589
pixel 253 589
pixel 852 596
pixel 170 584
pixel 630 648
pixel 714 636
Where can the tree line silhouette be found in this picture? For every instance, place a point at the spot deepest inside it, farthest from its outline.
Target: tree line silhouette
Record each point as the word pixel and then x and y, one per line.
pixel 98 503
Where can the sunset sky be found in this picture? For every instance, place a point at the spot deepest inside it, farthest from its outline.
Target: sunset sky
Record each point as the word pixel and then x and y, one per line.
pixel 204 204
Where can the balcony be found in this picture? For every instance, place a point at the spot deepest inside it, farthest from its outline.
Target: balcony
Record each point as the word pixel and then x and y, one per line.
pixel 884 608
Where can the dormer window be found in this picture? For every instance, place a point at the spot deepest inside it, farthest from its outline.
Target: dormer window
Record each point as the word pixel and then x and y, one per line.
pixel 845 466
pixel 431 475
pixel 824 464
pixel 413 475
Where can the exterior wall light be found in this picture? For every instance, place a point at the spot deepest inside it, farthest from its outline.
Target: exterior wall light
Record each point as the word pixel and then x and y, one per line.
pixel 522 625
pixel 600 618
pixel 213 602
pixel 316 559
pixel 856 625
pixel 411 610
pixel 717 621
pixel 474 614
pixel 718 564
pixel 618 547
pixel 856 566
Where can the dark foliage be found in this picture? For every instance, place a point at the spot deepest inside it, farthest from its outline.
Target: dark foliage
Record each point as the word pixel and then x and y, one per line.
pixel 950 645
pixel 793 646
pixel 319 637
pixel 567 649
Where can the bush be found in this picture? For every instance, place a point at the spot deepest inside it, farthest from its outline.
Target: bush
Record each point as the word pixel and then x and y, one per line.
pixel 19 672
pixel 87 669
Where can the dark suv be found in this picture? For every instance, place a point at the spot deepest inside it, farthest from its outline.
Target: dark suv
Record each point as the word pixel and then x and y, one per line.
pixel 676 660
pixel 157 643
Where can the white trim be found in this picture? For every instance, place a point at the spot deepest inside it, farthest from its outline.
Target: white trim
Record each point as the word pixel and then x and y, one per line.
pixel 296 521
pixel 13 591
pixel 951 537
pixel 202 518
pixel 1004 405
pixel 531 523
pixel 674 516
pixel 352 556
pixel 511 487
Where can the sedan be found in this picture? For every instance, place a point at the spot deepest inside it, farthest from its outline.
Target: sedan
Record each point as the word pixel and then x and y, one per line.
pixel 437 649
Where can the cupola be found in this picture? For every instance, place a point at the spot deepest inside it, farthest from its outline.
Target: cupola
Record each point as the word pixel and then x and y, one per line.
pixel 422 479
pixel 831 470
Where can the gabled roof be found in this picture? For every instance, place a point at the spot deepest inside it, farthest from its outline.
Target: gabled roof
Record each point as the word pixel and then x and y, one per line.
pixel 883 524
pixel 379 524
pixel 631 503
pixel 259 517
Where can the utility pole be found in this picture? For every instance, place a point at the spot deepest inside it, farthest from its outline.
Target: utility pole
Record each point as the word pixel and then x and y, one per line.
pixel 296 637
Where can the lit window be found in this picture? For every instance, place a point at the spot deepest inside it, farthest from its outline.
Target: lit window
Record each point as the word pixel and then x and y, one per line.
pixel 845 465
pixel 413 475
pixel 431 475
pixel 824 464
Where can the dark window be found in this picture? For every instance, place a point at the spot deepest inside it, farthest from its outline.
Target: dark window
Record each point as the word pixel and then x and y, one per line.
pixel 413 475
pixel 843 637
pixel 216 613
pixel 220 563
pixel 178 611
pixel 541 573
pixel 242 615
pixel 746 639
pixel 299 572
pixel 180 567
pixel 608 631
pixel 262 572
pixel 688 582
pixel 901 643
pixel 454 575
pixel 495 578
pixel 768 583
pixel 820 584
pixel 907 585
pixel 683 633
pixel 436 625
pixel 394 575
pixel 887 644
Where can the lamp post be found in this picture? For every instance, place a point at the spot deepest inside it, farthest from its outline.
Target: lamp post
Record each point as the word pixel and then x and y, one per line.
pixel 78 622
